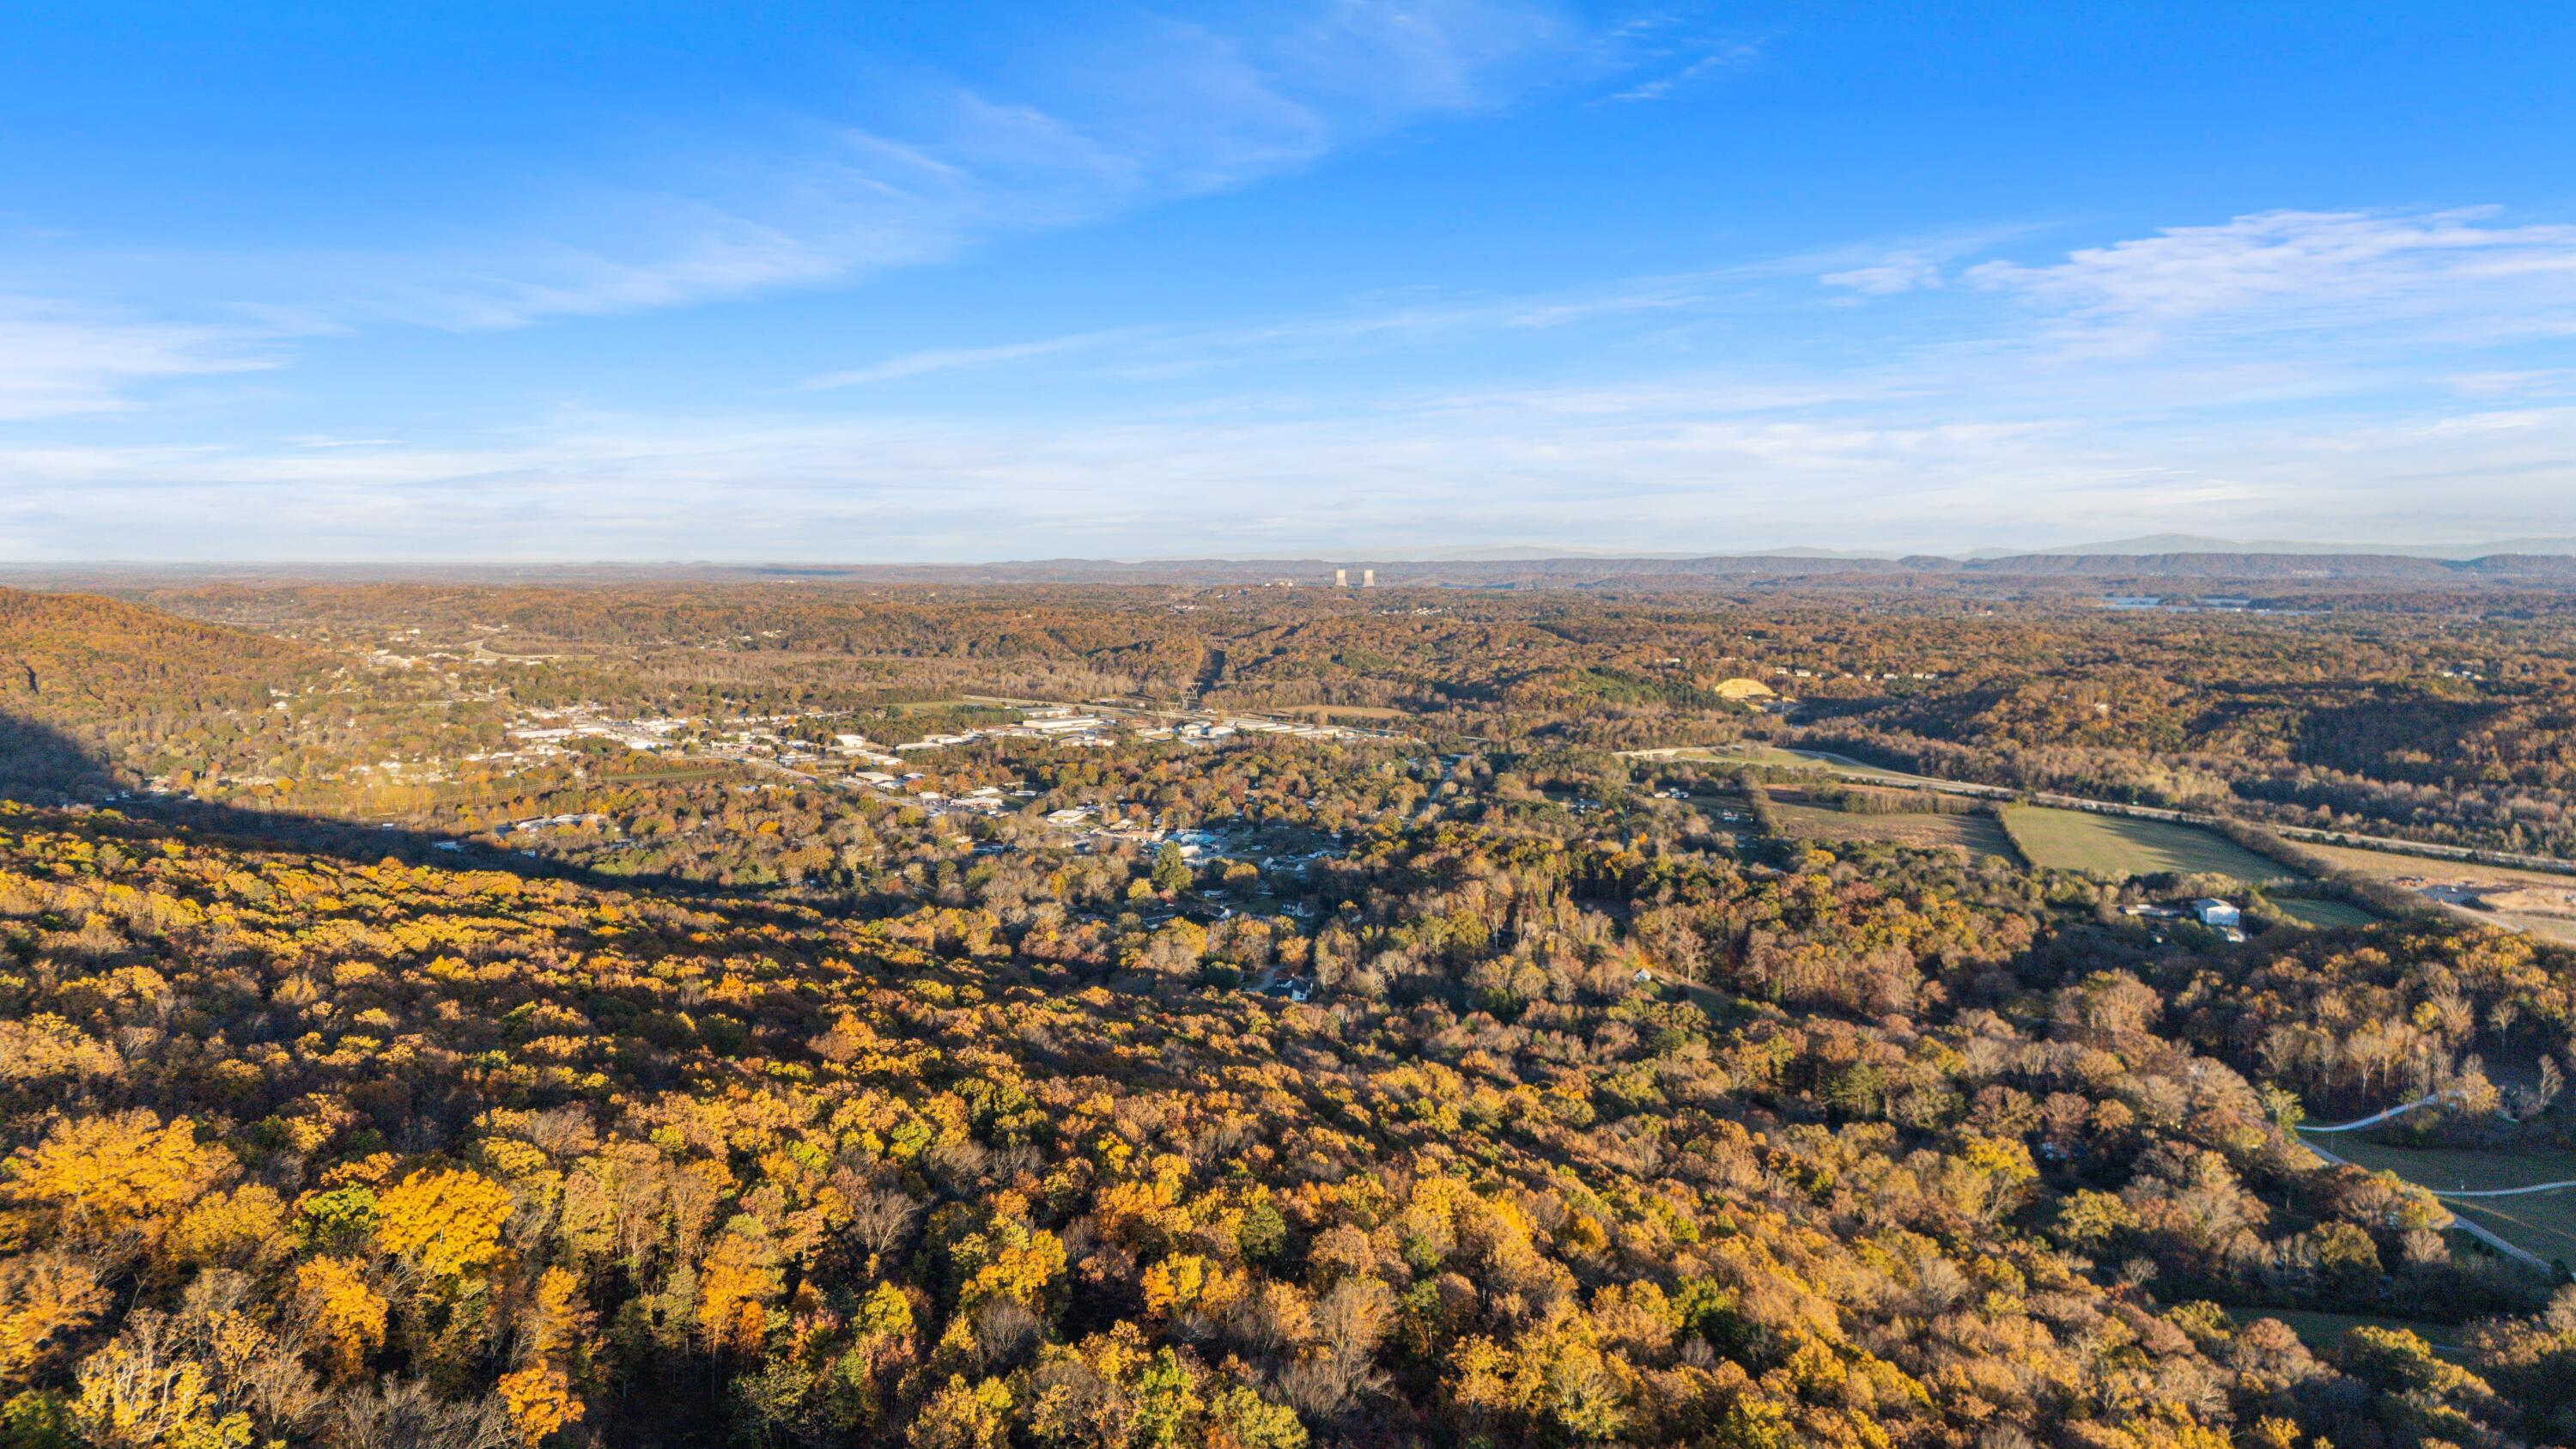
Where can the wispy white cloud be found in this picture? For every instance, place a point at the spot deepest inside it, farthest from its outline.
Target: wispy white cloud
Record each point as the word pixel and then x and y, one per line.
pixel 57 360
pixel 2268 371
pixel 2459 275
pixel 1141 110
pixel 1725 57
pixel 2517 382
pixel 1142 352
pixel 919 170
pixel 952 359
pixel 2263 308
pixel 2455 272
pixel 1897 272
pixel 1717 470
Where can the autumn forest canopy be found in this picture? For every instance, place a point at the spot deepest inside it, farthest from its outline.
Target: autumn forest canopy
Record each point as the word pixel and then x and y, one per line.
pixel 715 1011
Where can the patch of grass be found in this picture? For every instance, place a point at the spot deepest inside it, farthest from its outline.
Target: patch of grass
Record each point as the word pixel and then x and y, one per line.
pixel 2322 1331
pixel 1777 759
pixel 1851 769
pixel 2119 847
pixel 2322 913
pixel 1714 801
pixel 2542 1222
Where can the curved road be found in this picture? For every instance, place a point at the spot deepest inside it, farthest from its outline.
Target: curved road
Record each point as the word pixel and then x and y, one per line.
pixel 2375 1118
pixel 2507 1191
pixel 2476 1230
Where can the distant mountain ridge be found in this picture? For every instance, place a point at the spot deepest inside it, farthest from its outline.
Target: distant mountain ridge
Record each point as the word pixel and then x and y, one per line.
pixel 2163 544
pixel 2192 543
pixel 2111 572
pixel 2543 563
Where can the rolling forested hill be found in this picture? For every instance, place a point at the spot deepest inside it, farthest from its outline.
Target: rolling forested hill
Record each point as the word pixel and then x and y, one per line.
pixel 1428 1086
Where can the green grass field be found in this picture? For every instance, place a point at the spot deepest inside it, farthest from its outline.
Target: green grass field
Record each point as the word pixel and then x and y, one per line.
pixel 1714 801
pixel 1740 755
pixel 2322 1331
pixel 2118 847
pixel 2543 1223
pixel 2322 913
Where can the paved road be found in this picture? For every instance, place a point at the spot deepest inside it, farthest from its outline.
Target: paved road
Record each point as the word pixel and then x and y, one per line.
pixel 2375 1118
pixel 2476 1230
pixel 2565 1182
pixel 2449 1219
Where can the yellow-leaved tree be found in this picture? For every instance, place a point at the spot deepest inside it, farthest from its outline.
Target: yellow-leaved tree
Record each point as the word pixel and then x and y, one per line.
pixel 43 1295
pixel 445 1223
pixel 540 1401
pixel 741 1278
pixel 347 1312
pixel 115 1184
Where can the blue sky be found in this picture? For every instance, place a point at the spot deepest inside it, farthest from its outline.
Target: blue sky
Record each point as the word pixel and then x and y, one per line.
pixel 858 282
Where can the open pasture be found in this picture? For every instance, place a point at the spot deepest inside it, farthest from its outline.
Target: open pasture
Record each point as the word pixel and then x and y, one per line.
pixel 2120 848
pixel 1974 835
pixel 1728 756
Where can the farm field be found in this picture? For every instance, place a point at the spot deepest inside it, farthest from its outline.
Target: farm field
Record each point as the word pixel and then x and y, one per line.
pixel 1773 757
pixel 2120 847
pixel 1777 759
pixel 2543 1222
pixel 1973 834
pixel 1851 769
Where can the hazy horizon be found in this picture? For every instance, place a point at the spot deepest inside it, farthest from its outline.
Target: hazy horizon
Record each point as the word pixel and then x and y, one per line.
pixel 1329 557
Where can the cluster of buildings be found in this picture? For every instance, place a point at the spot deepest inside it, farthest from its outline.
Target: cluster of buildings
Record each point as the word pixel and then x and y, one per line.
pixel 555 822
pixel 772 739
pixel 1208 731
pixel 555 730
pixel 983 800
pixel 2218 915
pixel 856 747
pixel 1056 722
